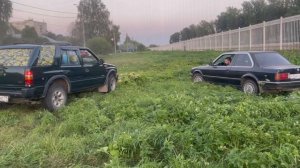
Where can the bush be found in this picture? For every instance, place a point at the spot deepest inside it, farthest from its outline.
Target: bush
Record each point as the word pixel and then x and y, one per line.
pixel 99 45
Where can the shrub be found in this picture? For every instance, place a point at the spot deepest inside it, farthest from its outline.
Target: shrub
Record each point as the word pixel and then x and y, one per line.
pixel 99 45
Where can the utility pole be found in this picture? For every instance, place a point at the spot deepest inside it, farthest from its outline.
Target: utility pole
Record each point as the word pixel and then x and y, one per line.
pixel 114 37
pixel 115 43
pixel 83 33
pixel 83 27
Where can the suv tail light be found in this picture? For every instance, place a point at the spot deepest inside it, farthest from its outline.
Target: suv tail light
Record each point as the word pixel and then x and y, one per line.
pixel 28 78
pixel 281 76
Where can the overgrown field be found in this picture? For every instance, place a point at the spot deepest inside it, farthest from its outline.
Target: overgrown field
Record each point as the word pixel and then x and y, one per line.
pixel 156 118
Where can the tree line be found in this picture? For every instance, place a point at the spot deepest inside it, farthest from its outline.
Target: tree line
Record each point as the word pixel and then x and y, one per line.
pixel 251 12
pixel 92 24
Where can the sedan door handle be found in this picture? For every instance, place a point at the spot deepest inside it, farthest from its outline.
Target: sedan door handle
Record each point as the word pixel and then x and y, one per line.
pixel 87 70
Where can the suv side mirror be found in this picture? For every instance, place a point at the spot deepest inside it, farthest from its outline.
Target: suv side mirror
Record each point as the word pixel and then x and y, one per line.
pixel 101 61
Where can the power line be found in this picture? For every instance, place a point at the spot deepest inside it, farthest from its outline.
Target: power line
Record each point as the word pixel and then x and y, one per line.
pixel 43 8
pixel 60 17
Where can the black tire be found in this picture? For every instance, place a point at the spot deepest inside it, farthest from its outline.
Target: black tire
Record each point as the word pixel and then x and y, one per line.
pixel 250 87
pixel 197 78
pixel 112 83
pixel 3 105
pixel 56 97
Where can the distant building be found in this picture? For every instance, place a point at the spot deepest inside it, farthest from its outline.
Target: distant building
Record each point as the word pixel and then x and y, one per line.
pixel 40 27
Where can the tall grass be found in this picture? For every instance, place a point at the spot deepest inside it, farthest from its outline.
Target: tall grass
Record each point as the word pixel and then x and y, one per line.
pixel 156 118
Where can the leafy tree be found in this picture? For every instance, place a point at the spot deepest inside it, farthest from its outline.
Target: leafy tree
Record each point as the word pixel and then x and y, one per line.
pixel 293 7
pixel 230 19
pixel 141 47
pixel 115 33
pixel 153 45
pixel 29 35
pixel 252 12
pixel 186 34
pixel 130 45
pixel 99 45
pixel 205 28
pixel 93 17
pixel 5 14
pixel 175 38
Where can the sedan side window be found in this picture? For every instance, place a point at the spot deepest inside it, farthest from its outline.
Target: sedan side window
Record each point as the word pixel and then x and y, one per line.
pixel 88 58
pixel 224 60
pixel 242 60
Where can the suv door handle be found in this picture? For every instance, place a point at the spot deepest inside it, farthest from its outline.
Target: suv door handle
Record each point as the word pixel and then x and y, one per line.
pixel 87 70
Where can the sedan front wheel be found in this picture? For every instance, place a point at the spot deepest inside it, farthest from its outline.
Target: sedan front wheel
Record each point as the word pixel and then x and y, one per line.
pixel 197 78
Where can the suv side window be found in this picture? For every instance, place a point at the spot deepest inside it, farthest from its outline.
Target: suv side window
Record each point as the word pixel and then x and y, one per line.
pixel 69 58
pixel 46 57
pixel 242 60
pixel 88 58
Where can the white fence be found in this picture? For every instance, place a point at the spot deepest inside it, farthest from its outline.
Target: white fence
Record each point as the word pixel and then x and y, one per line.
pixel 281 34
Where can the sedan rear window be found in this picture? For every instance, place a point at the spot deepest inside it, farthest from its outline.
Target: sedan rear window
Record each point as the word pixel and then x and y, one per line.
pixel 14 57
pixel 270 59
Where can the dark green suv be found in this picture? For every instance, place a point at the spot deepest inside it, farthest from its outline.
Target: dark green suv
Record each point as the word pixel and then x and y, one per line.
pixel 51 72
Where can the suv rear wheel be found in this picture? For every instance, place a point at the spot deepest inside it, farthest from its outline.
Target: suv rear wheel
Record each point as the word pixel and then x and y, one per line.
pixel 56 97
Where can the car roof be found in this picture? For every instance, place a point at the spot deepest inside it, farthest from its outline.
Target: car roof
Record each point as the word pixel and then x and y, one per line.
pixel 15 46
pixel 248 52
pixel 20 46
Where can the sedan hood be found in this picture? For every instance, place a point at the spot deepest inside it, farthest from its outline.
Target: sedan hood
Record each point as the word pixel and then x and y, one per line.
pixel 202 66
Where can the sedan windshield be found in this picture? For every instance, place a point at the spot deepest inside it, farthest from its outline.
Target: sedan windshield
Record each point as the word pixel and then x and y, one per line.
pixel 270 59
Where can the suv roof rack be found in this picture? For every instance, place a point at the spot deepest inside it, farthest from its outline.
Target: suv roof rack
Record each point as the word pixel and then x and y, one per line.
pixel 58 43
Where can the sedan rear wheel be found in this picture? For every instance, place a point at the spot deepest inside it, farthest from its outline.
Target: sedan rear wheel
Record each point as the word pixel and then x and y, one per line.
pixel 250 87
pixel 197 78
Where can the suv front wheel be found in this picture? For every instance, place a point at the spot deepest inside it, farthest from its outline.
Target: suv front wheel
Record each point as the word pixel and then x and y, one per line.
pixel 56 97
pixel 112 83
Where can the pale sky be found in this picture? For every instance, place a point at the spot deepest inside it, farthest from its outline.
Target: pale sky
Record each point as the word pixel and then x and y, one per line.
pixel 147 21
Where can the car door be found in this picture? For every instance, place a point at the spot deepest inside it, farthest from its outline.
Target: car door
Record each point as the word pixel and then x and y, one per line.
pixel 72 68
pixel 218 71
pixel 95 70
pixel 241 65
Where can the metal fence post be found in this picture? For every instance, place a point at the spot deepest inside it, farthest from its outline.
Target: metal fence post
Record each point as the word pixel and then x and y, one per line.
pixel 250 37
pixel 264 36
pixel 209 42
pixel 215 42
pixel 230 39
pixel 239 39
pixel 222 41
pixel 281 32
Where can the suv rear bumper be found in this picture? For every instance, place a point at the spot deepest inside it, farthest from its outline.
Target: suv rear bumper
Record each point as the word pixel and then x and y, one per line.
pixel 25 93
pixel 281 86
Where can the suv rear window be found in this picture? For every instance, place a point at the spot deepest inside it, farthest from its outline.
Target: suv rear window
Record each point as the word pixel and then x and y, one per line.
pixel 15 57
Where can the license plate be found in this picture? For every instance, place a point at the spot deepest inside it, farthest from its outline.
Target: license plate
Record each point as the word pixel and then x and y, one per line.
pixel 4 99
pixel 294 76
